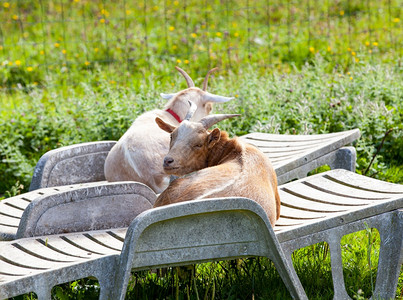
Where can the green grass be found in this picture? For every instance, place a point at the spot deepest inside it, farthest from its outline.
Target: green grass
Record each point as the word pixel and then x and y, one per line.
pixel 130 41
pixel 78 71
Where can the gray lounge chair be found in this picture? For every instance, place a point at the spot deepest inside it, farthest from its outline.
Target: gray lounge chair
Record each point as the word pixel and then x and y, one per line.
pixel 322 207
pixel 293 156
pixel 71 167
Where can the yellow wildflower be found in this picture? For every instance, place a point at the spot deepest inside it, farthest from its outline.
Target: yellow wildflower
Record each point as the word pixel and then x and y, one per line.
pixel 329 49
pixel 178 61
pixel 353 53
pixel 96 50
pixel 349 49
pixel 155 8
pixel 102 20
pixel 176 3
pixel 351 78
pixel 112 81
pixel 171 28
pixel 6 5
pixel 396 20
pixel 342 13
pixel 57 45
pixel 30 69
pixel 41 52
pixel 375 44
pixel 367 43
pixel 128 12
pixel 186 61
pixel 193 35
pixel 87 63
pixel 357 59
pixel 64 51
pixel 15 17
pixel 1 47
pixel 311 49
pixel 174 47
pixel 17 62
pixel 76 1
pixel 218 34
pixel 236 34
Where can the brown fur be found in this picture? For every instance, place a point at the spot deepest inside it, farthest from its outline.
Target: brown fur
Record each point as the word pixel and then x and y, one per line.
pixel 231 168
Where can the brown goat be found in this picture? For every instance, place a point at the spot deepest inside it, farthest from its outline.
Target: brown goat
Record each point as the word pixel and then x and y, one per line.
pixel 221 166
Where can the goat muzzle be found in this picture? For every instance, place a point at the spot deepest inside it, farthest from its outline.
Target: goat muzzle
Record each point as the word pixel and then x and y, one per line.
pixel 168 162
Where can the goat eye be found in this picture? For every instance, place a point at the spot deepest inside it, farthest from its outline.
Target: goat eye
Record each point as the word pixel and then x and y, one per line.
pixel 198 145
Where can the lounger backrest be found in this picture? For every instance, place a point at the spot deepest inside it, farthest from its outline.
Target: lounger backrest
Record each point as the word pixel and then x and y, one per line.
pixel 80 163
pixel 93 207
pixel 217 229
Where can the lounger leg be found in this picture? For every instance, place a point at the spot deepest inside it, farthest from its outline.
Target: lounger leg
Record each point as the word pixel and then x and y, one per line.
pixel 44 292
pixel 390 256
pixel 337 268
pixel 289 276
pixel 345 159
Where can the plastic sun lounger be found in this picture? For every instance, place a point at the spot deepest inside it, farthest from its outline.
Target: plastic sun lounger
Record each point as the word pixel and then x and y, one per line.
pixel 71 167
pixel 293 156
pixel 322 207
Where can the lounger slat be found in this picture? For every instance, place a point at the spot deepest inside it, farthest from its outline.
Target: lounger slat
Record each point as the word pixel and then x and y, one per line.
pixel 274 155
pixel 40 250
pixel 365 183
pixel 10 211
pixel 292 138
pixel 322 195
pixel 9 221
pixel 58 244
pixel 106 240
pixel 322 183
pixel 10 253
pixel 288 212
pixel 10 272
pixel 88 244
pixel 291 200
pixel 17 203
pixel 283 145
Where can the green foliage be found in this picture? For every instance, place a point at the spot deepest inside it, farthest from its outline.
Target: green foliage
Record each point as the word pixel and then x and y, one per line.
pixel 309 100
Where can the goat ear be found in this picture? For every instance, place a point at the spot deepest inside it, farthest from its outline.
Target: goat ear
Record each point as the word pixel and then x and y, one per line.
pixel 167 96
pixel 213 137
pixel 164 126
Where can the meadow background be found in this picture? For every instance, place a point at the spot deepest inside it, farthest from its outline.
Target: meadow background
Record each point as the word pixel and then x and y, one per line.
pixel 74 71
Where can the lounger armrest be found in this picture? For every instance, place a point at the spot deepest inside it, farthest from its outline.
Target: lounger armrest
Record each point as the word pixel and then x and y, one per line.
pixel 73 164
pixel 101 206
pixel 199 231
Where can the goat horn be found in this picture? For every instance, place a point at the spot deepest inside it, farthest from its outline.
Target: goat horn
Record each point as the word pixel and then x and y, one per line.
pixel 216 98
pixel 189 80
pixel 210 120
pixel 167 96
pixel 191 110
pixel 206 78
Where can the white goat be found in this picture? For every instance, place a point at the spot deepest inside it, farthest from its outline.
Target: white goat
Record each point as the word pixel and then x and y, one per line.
pixel 138 154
